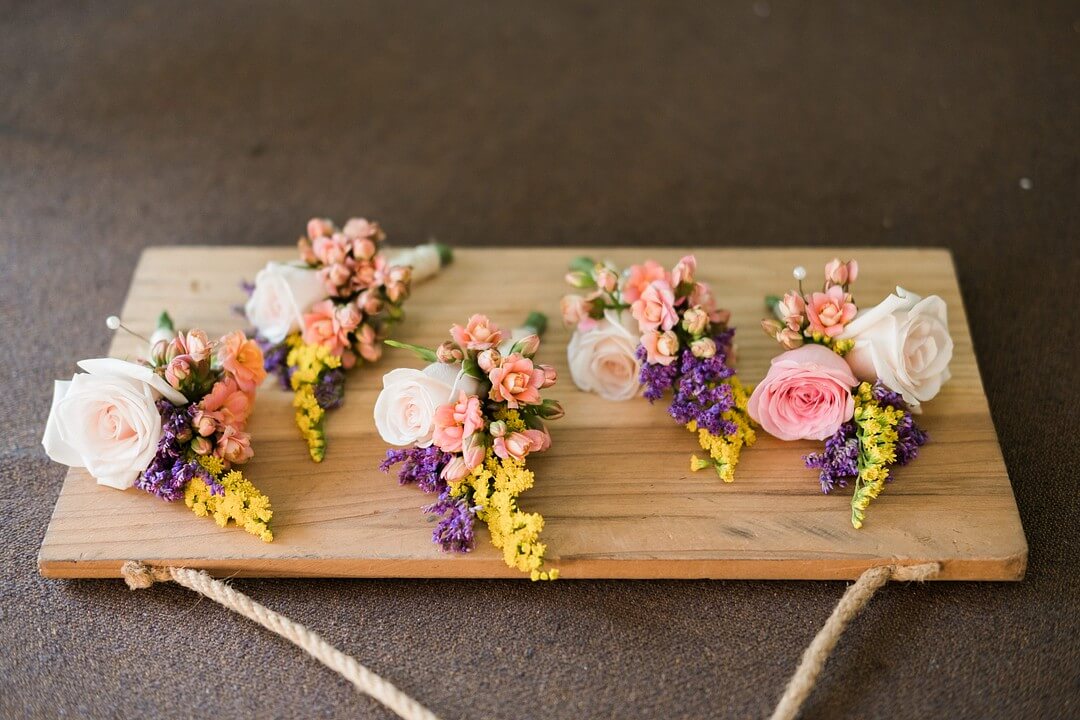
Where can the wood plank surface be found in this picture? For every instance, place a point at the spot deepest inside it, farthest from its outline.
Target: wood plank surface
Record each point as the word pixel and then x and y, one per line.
pixel 615 489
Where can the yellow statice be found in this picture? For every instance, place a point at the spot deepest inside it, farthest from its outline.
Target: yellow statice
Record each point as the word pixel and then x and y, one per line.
pixel 876 430
pixel 493 488
pixel 723 451
pixel 308 362
pixel 241 502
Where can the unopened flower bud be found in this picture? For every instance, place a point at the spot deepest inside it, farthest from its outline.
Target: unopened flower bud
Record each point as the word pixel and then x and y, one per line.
pixel 204 424
pixel 551 410
pixel 703 347
pixel 606 279
pixel 695 319
pixel 489 359
pixel 579 279
pixel 448 352
pixel 201 446
pixel 497 429
pixel 527 345
pixel 307 251
pixel 178 370
pixel 789 339
pixel 157 352
pixel 550 376
pixel 771 327
pixel 668 344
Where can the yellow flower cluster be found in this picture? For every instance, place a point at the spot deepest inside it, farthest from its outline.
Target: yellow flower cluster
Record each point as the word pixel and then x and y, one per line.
pixel 840 347
pixel 724 450
pixel 493 488
pixel 308 363
pixel 876 430
pixel 242 502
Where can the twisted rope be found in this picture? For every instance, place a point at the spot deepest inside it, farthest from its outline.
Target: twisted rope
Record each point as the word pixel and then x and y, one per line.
pixel 853 601
pixel 140 577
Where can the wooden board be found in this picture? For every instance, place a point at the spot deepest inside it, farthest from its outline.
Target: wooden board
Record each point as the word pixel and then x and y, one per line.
pixel 615 489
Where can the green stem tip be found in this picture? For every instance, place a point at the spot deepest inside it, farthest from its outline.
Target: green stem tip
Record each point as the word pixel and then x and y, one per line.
pixel 537 321
pixel 446 253
pixel 421 352
pixel 583 264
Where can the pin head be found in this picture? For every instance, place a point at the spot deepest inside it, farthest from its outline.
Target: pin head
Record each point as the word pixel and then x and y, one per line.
pixel 112 322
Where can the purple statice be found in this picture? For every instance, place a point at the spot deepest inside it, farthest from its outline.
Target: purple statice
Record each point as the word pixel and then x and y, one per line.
pixel 275 360
pixel 839 460
pixel 656 378
pixel 701 395
pixel 330 389
pixel 454 531
pixel 419 466
pixel 170 471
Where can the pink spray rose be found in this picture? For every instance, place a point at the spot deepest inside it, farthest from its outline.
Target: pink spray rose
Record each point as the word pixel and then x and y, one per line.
pixel 322 327
pixel 684 271
pixel 478 334
pixel 234 446
pixel 226 398
pixel 660 347
pixel 656 307
pixel 516 381
pixel 243 359
pixel 830 311
pixel 514 445
pixel 805 396
pixel 640 277
pixel 456 421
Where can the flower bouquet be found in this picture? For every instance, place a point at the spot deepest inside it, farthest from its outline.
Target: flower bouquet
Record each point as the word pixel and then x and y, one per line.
pixel 652 330
pixel 172 425
pixel 468 421
pixel 318 318
pixel 853 378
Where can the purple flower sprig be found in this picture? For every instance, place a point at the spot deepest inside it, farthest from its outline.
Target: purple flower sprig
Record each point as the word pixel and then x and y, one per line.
pixel 172 467
pixel 423 467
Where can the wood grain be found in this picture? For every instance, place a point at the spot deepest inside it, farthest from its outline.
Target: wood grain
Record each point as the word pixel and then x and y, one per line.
pixel 615 489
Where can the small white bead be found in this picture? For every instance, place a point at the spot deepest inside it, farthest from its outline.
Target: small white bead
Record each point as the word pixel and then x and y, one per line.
pixel 799 273
pixel 112 322
pixel 1026 184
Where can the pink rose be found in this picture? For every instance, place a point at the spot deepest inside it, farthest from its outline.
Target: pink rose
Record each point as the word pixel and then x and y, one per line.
pixel 516 381
pixel 791 309
pixel 830 311
pixel 684 271
pixel 234 446
pixel 242 358
pixel 656 307
pixel 478 334
pixel 331 250
pixel 640 277
pixel 805 396
pixel 454 422
pixel 321 327
pixel 660 348
pixel 231 403
pixel 839 273
pixel 514 445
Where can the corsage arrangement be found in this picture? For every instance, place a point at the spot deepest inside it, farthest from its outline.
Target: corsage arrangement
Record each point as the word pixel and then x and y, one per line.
pixel 650 330
pixel 853 378
pixel 319 317
pixel 468 421
pixel 172 425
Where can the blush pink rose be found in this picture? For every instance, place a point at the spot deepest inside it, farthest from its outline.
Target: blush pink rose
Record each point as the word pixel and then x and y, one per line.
pixel 805 396
pixel 830 311
pixel 516 381
pixel 655 309
pixel 660 347
pixel 322 327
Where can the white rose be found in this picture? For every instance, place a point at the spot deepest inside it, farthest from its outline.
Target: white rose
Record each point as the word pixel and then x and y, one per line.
pixel 604 359
pixel 106 420
pixel 905 343
pixel 405 409
pixel 283 293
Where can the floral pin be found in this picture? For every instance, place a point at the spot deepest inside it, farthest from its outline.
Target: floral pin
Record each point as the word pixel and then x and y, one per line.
pixel 852 378
pixel 172 425
pixel 319 317
pixel 652 330
pixel 468 422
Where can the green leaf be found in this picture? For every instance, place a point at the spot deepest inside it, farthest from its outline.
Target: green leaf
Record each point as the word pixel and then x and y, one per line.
pixel 165 322
pixel 421 352
pixel 583 264
pixel 537 321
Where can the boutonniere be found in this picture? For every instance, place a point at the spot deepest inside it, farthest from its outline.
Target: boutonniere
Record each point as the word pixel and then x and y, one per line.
pixel 853 378
pixel 468 421
pixel 323 315
pixel 172 425
pixel 649 330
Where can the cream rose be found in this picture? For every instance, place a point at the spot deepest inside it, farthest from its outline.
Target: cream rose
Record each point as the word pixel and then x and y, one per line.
pixel 604 359
pixel 405 409
pixel 905 343
pixel 283 293
pixel 107 421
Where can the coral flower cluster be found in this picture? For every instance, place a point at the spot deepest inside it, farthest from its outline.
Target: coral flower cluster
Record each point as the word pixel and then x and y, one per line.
pixel 321 317
pixel 683 344
pixel 469 421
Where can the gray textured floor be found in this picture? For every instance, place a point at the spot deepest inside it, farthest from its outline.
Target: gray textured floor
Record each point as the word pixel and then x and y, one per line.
pixel 125 125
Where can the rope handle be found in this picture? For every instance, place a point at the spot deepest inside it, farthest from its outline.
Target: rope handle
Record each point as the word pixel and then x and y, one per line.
pixel 139 577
